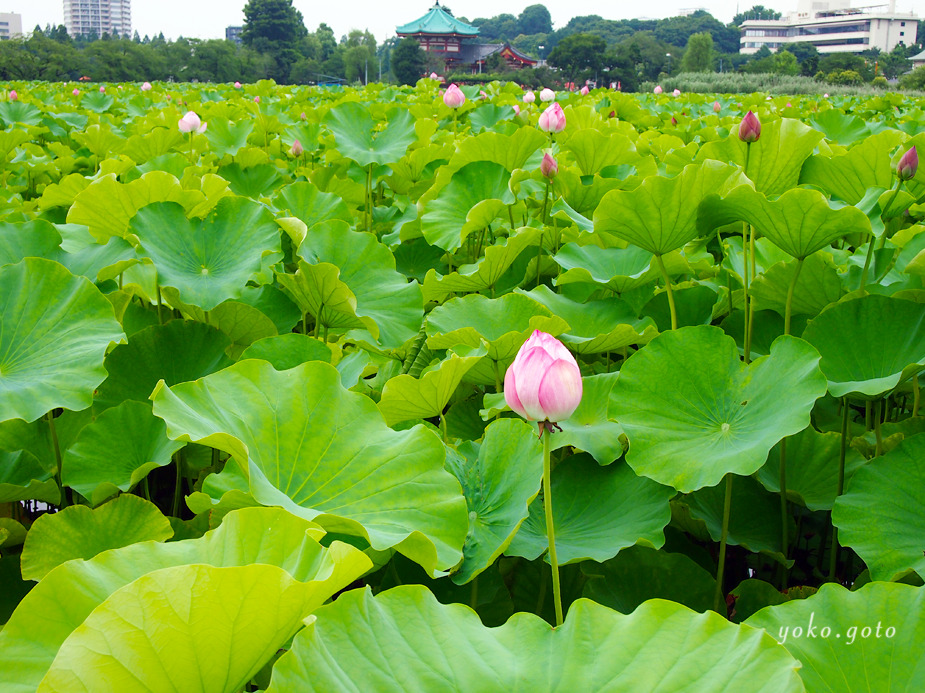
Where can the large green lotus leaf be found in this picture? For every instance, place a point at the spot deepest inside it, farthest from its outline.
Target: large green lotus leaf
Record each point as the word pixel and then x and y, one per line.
pixel 694 412
pixel 849 176
pixel 799 222
pixel 242 323
pixel 598 511
pixel 384 297
pixel 251 181
pixel 639 573
pixel 62 193
pixel 37 238
pixel 24 477
pixel 287 351
pixel 318 291
pixel 594 150
pixel 79 532
pixel 488 116
pixel 359 138
pixel 853 641
pixel 869 345
pixel 618 269
pixel 18 112
pixel 775 160
pixel 483 274
pixel 596 326
pixel 510 151
pixel 106 207
pixel 754 519
pixel 752 595
pixel 155 143
pixel 694 305
pixel 405 397
pixel 325 454
pixel 840 127
pixel 662 646
pixel 578 196
pixel 499 479
pixel 209 260
pixel 818 285
pixel 812 468
pixel 307 203
pixel 880 515
pixel 98 262
pixel 191 628
pixel 226 137
pixel 661 214
pixel 589 428
pixel 61 602
pixel 175 352
pixel 55 329
pixel 116 451
pixel 475 196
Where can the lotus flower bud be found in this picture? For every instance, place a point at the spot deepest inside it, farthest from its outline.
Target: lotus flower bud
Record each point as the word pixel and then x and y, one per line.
pixel 483 94
pixel 529 97
pixel 544 382
pixel 749 128
pixel 434 75
pixel 516 109
pixel 256 99
pixel 676 92
pixel 237 85
pixel 191 123
pixel 302 116
pixel 908 165
pixel 547 95
pixel 146 86
pixel 789 105
pixel 13 95
pixel 76 91
pixel 674 121
pixel 296 149
pixel 102 90
pixel 548 166
pixel 552 119
pixel 584 90
pixel 453 97
pixel 717 107
pixel 658 89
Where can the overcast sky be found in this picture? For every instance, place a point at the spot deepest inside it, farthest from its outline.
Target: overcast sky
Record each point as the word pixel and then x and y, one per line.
pixel 208 18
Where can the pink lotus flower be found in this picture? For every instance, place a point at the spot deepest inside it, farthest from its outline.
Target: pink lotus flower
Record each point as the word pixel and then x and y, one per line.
pixel 676 92
pixel 296 149
pixel 482 94
pixel 256 99
pixel 453 97
pixel 102 90
pixel 584 90
pixel 434 75
pixel 908 164
pixel 13 95
pixel 191 123
pixel 547 95
pixel 76 91
pixel 789 105
pixel 825 96
pixel 552 119
pixel 302 117
pixel 717 107
pixel 658 89
pixel 237 85
pixel 544 382
pixel 516 109
pixel 529 97
pixel 146 86
pixel 674 121
pixel 548 166
pixel 749 128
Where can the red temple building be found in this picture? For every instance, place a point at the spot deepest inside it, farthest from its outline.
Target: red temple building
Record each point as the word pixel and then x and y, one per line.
pixel 441 34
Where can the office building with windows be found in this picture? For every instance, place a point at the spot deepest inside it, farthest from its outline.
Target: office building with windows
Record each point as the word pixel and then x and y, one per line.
pixel 10 25
pixel 833 26
pixel 98 17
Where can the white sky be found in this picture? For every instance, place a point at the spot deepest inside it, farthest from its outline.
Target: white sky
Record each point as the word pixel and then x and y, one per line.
pixel 208 18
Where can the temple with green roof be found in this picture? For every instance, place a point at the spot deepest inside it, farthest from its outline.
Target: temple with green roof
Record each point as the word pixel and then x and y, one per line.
pixel 452 40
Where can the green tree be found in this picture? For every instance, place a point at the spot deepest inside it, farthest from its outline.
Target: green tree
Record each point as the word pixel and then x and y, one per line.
pixel 578 54
pixel 785 63
pixel 807 55
pixel 408 61
pixel 698 56
pixel 535 19
pixel 274 27
pixel 756 12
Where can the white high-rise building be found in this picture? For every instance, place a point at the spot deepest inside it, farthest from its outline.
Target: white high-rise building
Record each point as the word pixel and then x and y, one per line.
pixel 88 17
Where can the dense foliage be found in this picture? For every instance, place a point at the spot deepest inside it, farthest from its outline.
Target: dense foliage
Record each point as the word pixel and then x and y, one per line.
pixel 252 427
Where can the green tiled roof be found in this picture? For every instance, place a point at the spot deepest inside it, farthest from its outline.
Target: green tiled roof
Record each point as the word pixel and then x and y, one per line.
pixel 437 21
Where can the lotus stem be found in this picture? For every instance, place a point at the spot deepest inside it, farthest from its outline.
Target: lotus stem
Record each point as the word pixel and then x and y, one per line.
pixel 842 449
pixel 916 396
pixel 157 291
pixel 878 433
pixel 870 248
pixel 50 417
pixel 545 203
pixel 783 508
pixel 671 306
pixel 746 337
pixel 718 601
pixel 550 527
pixel 788 309
pixel 178 490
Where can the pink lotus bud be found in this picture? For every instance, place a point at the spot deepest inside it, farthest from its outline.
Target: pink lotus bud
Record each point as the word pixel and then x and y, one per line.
pixel 302 117
pixel 529 97
pixel 482 94
pixel 749 128
pixel 552 119
pixel 296 149
pixel 584 90
pixel 674 121
pixel 434 75
pixel 76 91
pixel 237 85
pixel 767 98
pixel 908 165
pixel 191 123
pixel 516 109
pixel 13 95
pixel 717 107
pixel 825 96
pixel 547 95
pixel 146 86
pixel 102 90
pixel 548 166
pixel 544 382
pixel 453 97
pixel 256 99
pixel 658 89
pixel 676 92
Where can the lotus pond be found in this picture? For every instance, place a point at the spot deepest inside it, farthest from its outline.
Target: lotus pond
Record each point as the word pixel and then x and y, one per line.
pixel 252 428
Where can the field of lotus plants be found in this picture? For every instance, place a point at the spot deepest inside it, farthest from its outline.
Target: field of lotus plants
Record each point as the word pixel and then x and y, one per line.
pixel 420 389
